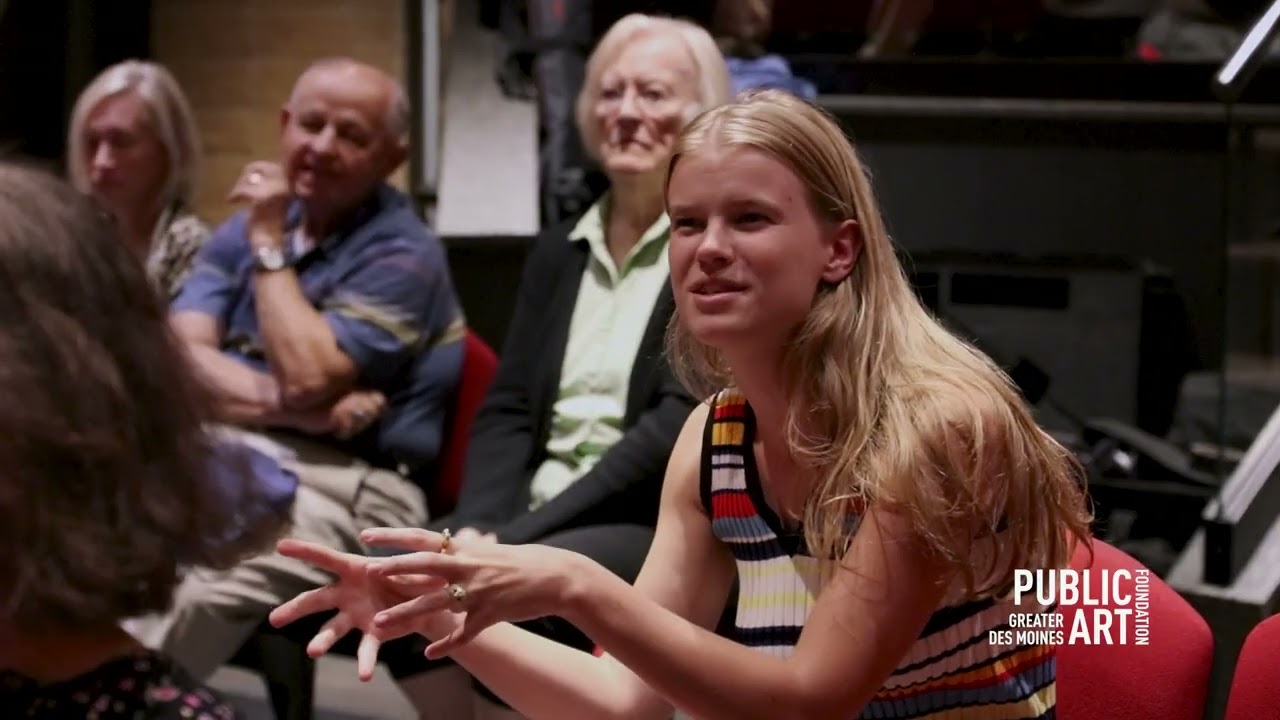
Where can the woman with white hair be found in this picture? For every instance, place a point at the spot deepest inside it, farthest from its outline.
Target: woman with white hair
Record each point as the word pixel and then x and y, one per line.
pixel 133 145
pixel 570 446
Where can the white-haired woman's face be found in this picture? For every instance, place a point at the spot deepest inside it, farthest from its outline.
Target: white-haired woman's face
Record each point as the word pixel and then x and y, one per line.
pixel 127 162
pixel 645 96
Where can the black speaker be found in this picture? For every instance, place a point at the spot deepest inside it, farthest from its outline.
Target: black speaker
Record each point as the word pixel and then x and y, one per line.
pixel 51 49
pixel 1082 337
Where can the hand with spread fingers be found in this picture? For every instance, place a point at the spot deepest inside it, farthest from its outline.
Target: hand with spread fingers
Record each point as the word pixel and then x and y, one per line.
pixel 358 595
pixel 480 581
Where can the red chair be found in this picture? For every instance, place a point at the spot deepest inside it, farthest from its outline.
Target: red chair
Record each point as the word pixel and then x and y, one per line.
pixel 1168 679
pixel 479 365
pixel 1255 688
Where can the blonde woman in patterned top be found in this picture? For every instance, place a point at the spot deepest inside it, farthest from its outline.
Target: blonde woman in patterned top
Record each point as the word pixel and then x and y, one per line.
pixel 872 482
pixel 133 145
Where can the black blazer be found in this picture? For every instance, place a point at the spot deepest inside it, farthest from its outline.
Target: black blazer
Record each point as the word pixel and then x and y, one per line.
pixel 509 437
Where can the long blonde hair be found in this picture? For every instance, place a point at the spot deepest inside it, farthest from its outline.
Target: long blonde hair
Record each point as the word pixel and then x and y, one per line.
pixel 886 406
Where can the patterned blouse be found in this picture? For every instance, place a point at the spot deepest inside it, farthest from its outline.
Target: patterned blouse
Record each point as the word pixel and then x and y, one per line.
pixel 952 672
pixel 178 237
pixel 141 686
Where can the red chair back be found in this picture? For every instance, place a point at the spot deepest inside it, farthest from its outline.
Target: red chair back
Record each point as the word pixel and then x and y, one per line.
pixel 1255 692
pixel 479 365
pixel 1167 678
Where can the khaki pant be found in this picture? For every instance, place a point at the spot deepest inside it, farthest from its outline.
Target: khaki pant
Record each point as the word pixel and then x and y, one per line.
pixel 338 497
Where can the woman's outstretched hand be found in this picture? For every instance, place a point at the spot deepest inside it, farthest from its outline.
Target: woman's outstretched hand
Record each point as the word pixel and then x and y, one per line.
pixel 485 582
pixel 357 595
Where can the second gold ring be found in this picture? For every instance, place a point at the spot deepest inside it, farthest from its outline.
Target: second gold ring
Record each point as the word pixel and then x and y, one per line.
pixel 458 593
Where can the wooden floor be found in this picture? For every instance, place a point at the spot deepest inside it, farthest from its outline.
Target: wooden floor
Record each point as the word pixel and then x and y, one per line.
pixel 341 696
pixel 339 693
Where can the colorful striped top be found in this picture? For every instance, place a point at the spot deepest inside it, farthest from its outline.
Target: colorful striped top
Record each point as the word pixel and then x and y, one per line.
pixel 952 672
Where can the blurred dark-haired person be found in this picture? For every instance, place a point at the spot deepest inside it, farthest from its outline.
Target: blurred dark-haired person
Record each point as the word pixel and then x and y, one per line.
pixel 134 146
pixel 109 481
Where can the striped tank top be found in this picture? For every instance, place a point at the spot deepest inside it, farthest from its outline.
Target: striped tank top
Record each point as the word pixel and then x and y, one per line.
pixel 951 672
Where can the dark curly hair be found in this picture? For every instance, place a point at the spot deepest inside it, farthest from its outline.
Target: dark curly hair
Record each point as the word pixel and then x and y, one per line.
pixel 105 484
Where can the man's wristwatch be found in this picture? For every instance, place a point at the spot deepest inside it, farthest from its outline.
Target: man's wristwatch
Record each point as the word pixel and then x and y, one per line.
pixel 268 259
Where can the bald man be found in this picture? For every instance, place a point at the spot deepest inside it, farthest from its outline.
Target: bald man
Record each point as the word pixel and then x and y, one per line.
pixel 324 319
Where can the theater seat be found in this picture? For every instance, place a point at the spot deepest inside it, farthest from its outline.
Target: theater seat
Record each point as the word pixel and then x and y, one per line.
pixel 280 656
pixel 479 365
pixel 1255 689
pixel 1167 679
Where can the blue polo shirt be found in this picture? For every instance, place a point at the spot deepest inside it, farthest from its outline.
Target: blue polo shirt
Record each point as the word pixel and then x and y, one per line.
pixel 383 285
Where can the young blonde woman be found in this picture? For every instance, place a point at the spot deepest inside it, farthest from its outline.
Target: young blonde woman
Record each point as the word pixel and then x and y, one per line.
pixel 872 481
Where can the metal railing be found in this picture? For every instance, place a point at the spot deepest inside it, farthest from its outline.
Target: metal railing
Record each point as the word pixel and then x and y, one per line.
pixel 1239 520
pixel 425 71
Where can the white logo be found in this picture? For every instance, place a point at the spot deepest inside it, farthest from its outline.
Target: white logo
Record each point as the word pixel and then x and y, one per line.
pixel 1096 607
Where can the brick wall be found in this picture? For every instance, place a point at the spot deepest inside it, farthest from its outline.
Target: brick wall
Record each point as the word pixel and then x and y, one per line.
pixel 237 61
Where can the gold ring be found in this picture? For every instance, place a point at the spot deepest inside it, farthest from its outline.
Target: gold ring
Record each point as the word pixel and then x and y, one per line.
pixel 448 538
pixel 458 593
